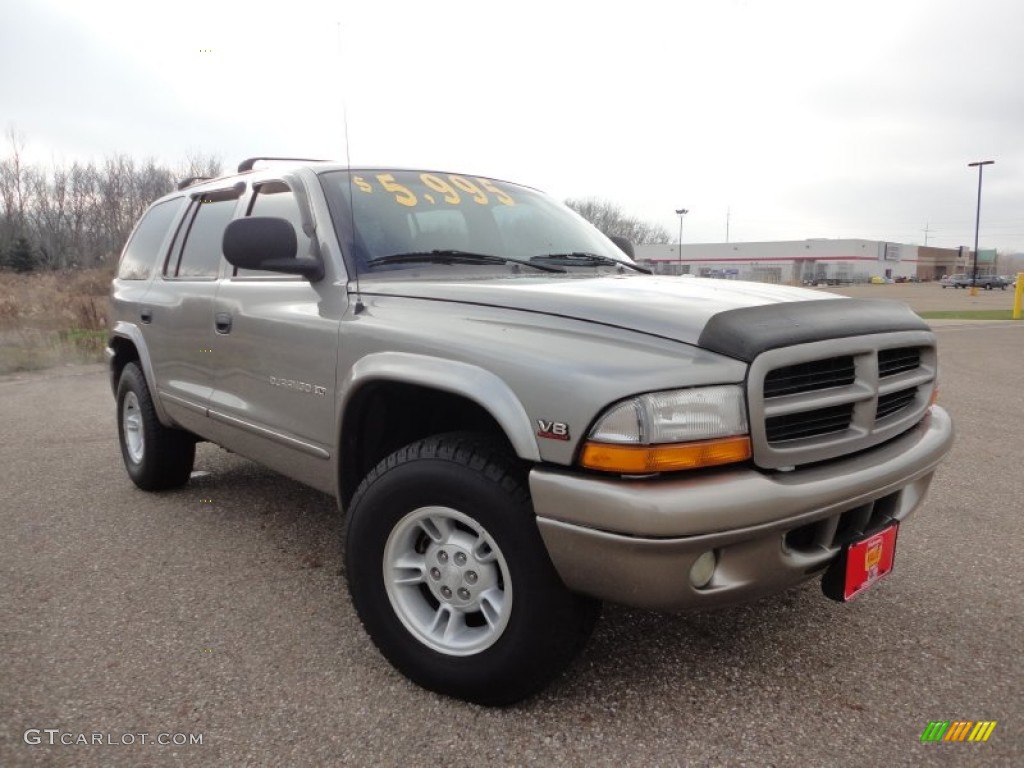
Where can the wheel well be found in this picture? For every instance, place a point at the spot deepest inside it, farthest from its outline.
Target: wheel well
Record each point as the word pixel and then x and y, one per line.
pixel 385 416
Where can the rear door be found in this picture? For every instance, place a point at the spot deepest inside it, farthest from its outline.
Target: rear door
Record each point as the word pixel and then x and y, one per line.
pixel 180 328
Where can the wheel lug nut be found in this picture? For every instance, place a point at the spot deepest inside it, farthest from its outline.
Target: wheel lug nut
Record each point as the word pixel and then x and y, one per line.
pixel 463 593
pixel 447 592
pixel 471 577
pixel 435 573
pixel 442 556
pixel 460 558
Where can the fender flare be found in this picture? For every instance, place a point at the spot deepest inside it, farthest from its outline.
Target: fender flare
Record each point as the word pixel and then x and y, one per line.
pixel 132 333
pixel 481 386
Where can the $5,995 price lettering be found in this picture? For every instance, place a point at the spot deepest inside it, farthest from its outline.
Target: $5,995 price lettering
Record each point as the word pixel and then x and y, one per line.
pixel 450 191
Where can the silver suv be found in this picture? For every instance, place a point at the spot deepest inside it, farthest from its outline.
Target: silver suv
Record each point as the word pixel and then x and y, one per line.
pixel 518 420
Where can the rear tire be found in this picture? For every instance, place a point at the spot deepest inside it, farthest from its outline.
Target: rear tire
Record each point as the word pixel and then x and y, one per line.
pixel 156 457
pixel 450 577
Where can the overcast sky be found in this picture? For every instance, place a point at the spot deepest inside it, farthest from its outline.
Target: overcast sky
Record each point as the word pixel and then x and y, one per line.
pixel 803 118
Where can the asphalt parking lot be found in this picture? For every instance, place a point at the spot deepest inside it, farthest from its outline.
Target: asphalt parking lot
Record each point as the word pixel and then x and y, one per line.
pixel 929 297
pixel 220 610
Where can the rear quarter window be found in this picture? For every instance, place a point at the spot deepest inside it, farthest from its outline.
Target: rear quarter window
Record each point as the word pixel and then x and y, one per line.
pixel 145 247
pixel 201 253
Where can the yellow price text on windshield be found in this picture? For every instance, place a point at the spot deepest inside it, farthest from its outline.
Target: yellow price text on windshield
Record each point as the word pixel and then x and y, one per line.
pixel 452 190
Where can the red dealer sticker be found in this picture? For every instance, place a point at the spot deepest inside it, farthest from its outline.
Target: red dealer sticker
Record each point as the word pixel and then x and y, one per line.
pixel 861 564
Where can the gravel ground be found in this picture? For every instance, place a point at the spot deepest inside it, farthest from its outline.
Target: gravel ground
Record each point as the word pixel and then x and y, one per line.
pixel 220 610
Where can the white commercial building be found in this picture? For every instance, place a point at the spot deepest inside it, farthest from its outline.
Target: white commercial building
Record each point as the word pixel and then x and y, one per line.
pixel 801 261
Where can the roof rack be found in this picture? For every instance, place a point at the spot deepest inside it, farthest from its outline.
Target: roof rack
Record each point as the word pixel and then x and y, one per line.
pixel 246 165
pixel 192 180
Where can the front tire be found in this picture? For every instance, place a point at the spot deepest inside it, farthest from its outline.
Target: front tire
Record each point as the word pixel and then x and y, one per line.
pixel 451 579
pixel 156 457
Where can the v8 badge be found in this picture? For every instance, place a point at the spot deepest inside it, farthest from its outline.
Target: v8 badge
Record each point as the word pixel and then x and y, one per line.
pixel 553 430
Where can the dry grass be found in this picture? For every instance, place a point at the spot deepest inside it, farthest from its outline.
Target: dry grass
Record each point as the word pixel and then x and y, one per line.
pixel 50 318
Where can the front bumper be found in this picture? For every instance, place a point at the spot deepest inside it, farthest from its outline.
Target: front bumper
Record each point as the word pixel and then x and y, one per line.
pixel 634 541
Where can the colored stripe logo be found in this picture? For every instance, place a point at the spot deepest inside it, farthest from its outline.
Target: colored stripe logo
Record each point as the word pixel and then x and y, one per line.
pixel 958 730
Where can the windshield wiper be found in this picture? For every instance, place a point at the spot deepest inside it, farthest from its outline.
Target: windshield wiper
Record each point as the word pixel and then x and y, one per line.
pixel 581 259
pixel 456 257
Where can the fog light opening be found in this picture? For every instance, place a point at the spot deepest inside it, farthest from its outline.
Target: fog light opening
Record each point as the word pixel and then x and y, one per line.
pixel 703 569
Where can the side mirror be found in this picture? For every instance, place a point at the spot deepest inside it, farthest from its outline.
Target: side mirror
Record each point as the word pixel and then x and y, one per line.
pixel 267 243
pixel 624 245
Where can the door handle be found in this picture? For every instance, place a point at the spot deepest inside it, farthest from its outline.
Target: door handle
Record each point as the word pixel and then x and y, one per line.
pixel 223 322
pixel 146 315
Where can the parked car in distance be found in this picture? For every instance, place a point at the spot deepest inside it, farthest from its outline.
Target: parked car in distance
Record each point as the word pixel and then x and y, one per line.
pixel 950 280
pixel 962 280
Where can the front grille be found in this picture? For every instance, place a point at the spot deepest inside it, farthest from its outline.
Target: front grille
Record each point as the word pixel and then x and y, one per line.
pixel 823 421
pixel 822 400
pixel 805 377
pixel 894 402
pixel 893 361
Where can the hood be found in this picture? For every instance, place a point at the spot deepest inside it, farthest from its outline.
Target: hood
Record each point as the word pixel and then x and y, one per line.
pixel 675 308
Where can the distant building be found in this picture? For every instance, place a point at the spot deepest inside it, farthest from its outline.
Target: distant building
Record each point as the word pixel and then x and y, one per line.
pixel 802 261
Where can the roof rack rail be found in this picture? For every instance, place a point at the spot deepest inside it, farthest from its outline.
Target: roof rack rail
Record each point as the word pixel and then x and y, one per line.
pixel 246 165
pixel 192 180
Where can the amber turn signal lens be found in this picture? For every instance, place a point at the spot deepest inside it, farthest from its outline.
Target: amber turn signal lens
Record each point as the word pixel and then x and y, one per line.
pixel 643 459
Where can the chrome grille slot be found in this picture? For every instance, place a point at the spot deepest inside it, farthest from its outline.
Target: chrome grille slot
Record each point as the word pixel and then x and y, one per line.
pixel 894 402
pixel 807 377
pixel 899 360
pixel 821 400
pixel 823 421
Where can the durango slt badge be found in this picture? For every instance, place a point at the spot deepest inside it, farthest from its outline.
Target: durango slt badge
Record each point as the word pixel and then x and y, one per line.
pixel 299 386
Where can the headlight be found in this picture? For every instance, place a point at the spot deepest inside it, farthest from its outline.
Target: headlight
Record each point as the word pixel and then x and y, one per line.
pixel 666 431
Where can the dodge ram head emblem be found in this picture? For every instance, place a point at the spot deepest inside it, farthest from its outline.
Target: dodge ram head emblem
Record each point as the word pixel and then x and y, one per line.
pixel 553 430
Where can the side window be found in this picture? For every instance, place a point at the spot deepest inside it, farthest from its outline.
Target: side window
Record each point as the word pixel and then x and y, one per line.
pixel 201 253
pixel 276 199
pixel 143 249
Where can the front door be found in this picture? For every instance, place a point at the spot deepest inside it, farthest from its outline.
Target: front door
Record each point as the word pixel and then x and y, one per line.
pixel 274 389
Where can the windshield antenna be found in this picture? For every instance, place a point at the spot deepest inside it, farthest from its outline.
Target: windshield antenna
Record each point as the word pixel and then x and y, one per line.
pixel 359 306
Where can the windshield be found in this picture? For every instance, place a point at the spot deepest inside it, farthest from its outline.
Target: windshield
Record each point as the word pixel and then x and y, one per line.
pixel 391 220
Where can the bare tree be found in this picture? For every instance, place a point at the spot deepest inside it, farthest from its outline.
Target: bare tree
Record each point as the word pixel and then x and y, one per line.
pixel 82 201
pixel 610 219
pixel 198 165
pixel 13 192
pixel 151 182
pixel 48 216
pixel 79 215
pixel 114 190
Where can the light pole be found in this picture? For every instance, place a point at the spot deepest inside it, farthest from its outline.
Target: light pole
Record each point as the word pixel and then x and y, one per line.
pixel 977 222
pixel 682 212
